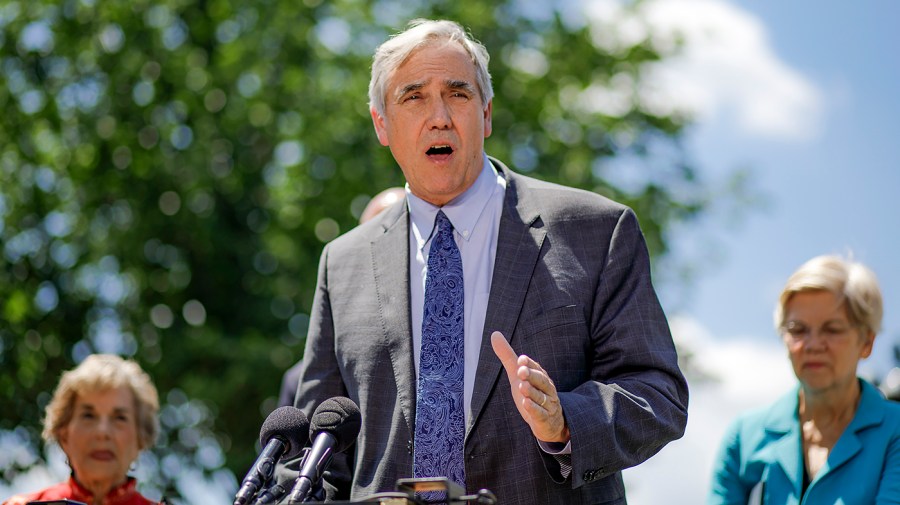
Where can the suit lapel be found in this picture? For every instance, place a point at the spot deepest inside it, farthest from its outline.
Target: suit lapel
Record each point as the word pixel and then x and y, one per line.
pixel 390 260
pixel 519 242
pixel 782 423
pixel 787 454
pixel 868 413
pixel 847 446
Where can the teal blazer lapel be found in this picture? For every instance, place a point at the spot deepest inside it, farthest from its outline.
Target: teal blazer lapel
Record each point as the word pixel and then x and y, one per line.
pixel 783 424
pixel 869 413
pixel 519 242
pixel 390 260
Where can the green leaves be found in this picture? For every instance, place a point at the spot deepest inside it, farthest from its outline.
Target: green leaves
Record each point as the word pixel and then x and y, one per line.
pixel 16 307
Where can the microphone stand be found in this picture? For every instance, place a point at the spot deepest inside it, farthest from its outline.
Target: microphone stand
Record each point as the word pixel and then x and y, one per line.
pixel 316 493
pixel 277 492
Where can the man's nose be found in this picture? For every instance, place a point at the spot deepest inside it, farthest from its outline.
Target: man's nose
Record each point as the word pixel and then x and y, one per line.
pixel 439 115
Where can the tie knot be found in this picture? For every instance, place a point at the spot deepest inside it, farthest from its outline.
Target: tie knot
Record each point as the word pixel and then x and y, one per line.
pixel 442 223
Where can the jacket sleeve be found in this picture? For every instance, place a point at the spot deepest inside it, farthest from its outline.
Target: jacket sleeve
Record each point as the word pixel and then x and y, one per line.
pixel 320 378
pixel 636 399
pixel 889 490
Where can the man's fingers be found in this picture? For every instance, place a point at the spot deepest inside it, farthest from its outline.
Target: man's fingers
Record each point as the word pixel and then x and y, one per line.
pixel 505 352
pixel 533 392
pixel 537 396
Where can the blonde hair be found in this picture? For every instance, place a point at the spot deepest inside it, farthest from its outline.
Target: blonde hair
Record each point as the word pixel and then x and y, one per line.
pixel 390 55
pixel 101 372
pixel 851 282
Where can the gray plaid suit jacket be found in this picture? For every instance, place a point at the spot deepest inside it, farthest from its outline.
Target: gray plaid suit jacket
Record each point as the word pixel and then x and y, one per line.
pixel 571 288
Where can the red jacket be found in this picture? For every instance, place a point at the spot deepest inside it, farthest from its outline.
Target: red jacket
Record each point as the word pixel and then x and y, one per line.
pixel 126 494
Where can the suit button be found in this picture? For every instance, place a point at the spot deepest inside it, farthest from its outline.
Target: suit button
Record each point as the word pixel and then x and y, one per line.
pixel 409 446
pixel 588 476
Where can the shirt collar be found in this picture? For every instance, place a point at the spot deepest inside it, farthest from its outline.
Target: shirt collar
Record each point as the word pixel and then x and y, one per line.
pixel 463 211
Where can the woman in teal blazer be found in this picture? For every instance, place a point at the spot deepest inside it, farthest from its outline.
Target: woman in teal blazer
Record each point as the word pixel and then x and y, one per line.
pixel 834 439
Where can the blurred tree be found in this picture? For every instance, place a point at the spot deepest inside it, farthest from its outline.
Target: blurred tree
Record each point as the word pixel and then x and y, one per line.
pixel 170 170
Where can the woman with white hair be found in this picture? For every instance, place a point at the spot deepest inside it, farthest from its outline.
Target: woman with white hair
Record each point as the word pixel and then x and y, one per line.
pixel 102 414
pixel 834 438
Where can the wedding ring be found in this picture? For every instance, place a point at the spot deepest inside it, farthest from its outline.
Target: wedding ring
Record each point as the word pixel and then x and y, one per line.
pixel 543 400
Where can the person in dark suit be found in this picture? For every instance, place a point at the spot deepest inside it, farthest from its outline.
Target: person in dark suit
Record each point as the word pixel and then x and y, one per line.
pixel 558 274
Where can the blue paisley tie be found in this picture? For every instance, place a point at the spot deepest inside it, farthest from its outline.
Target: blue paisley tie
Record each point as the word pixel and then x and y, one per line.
pixel 440 414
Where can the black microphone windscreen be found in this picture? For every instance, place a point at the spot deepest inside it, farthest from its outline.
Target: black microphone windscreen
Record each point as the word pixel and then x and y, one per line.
pixel 288 423
pixel 340 417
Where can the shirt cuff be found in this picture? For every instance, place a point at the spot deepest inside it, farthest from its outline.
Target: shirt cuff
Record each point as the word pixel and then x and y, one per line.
pixel 562 453
pixel 556 448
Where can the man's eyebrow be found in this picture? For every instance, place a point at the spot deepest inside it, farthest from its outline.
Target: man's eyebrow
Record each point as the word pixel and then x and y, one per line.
pixel 409 88
pixel 462 85
pixel 456 84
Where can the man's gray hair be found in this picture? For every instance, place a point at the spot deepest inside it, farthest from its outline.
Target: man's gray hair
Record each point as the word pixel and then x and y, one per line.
pixel 421 32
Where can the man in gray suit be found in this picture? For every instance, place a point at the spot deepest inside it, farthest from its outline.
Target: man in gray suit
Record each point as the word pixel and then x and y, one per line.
pixel 558 274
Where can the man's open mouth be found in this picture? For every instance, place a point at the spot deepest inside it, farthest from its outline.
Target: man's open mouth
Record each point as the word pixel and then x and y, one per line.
pixel 439 150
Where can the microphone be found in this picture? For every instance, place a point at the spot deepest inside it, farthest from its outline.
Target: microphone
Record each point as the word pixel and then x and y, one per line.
pixel 334 427
pixel 281 435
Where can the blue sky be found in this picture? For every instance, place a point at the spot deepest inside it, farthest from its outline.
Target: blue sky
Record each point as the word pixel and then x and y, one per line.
pixel 832 185
pixel 804 93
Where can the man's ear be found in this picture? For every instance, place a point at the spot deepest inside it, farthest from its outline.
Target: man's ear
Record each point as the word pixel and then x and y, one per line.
pixel 380 127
